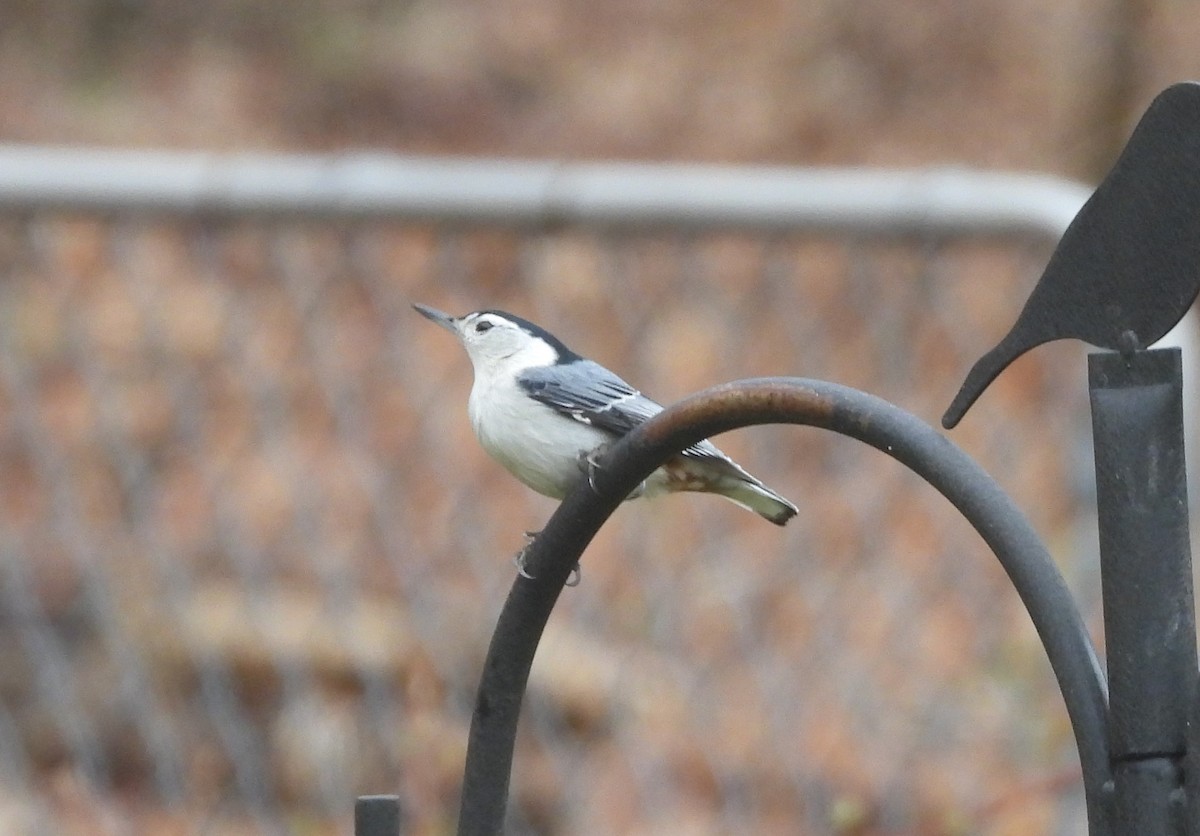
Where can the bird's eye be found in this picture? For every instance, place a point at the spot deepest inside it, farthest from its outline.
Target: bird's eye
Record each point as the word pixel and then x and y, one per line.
pixel 482 326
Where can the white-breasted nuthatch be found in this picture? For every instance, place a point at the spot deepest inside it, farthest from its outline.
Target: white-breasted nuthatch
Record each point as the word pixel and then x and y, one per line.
pixel 542 411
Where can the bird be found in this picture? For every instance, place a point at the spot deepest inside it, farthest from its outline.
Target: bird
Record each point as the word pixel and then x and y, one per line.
pixel 1125 271
pixel 544 412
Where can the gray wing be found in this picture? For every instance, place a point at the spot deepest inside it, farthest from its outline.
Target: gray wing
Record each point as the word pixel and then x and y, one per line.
pixel 591 394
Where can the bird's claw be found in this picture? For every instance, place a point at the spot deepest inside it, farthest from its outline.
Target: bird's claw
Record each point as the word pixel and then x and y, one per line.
pixel 519 561
pixel 589 464
pixel 519 557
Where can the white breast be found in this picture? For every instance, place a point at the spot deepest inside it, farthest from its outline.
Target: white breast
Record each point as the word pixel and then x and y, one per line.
pixel 538 445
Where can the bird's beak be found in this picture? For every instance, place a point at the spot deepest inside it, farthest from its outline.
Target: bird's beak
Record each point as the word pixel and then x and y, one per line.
pixel 450 323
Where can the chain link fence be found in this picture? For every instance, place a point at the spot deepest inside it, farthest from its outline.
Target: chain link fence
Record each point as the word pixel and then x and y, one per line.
pixel 251 555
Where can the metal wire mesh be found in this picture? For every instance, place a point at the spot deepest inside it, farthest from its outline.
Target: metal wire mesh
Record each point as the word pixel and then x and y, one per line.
pixel 251 553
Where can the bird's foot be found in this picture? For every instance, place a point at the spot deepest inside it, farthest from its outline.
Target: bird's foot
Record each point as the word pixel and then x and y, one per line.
pixel 589 464
pixel 519 561
pixel 519 557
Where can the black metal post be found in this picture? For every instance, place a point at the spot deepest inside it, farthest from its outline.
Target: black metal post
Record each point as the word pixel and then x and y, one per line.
pixel 377 815
pixel 1149 621
pixel 1191 764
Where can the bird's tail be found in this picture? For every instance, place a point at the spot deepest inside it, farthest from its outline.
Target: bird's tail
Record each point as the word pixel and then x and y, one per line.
pixel 753 495
pixel 718 474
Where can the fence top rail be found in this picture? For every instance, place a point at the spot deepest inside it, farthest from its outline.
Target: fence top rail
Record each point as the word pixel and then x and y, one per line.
pixel 536 193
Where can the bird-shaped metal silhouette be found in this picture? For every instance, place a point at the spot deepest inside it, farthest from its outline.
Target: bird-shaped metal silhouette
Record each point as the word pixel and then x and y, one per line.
pixel 1128 267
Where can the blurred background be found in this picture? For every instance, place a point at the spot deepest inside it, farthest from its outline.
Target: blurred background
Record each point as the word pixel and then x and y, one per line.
pixel 996 83
pixel 251 555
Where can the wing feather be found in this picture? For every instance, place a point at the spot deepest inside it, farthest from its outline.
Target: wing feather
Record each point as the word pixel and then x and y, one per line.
pixel 591 394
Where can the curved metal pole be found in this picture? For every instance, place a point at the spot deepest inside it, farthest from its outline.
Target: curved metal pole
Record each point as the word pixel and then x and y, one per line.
pixel 841 409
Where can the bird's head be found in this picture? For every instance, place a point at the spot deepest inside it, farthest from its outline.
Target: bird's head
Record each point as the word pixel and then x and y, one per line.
pixel 496 340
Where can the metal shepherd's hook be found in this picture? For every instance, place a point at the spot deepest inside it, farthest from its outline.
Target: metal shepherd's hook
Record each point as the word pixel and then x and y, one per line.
pixel 1125 272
